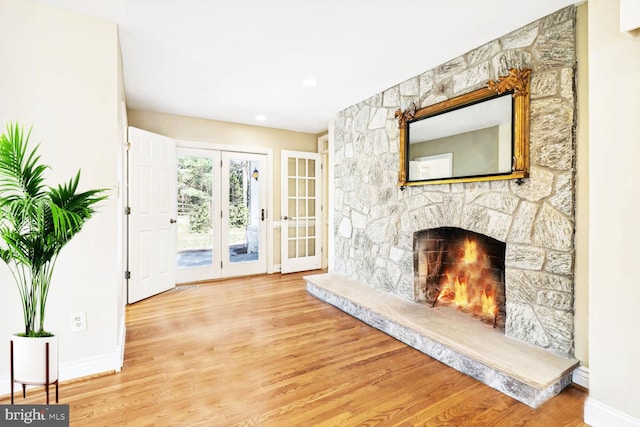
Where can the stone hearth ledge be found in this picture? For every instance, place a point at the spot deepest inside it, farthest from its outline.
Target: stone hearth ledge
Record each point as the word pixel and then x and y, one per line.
pixel 523 371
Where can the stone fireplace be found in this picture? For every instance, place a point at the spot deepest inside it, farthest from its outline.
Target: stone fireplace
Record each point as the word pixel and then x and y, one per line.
pixel 376 223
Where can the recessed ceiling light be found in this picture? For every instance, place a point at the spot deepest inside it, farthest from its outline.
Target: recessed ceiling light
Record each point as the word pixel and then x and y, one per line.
pixel 261 117
pixel 310 82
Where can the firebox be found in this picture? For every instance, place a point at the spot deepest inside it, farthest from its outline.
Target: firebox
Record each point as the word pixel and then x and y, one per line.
pixel 462 269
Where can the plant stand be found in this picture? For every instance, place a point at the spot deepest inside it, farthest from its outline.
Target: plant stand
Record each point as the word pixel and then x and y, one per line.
pixel 24 384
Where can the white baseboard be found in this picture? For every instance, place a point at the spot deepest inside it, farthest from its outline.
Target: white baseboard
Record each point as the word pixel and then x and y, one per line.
pixel 76 369
pixel 277 268
pixel 91 366
pixel 85 367
pixel 581 376
pixel 597 414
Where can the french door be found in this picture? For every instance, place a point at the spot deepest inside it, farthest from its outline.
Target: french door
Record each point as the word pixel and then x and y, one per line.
pixel 198 198
pixel 221 214
pixel 244 214
pixel 301 207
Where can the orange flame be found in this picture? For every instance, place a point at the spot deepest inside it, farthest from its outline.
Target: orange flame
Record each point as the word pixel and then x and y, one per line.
pixel 488 303
pixel 470 255
pixel 460 298
pixel 468 283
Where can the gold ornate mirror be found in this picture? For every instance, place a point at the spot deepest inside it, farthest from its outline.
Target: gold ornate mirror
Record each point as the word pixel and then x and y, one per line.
pixel 480 136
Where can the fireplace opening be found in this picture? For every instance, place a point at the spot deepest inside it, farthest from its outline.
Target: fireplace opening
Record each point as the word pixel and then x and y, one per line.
pixel 462 269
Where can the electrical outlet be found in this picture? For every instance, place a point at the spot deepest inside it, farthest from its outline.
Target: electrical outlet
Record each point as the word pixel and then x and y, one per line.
pixel 78 321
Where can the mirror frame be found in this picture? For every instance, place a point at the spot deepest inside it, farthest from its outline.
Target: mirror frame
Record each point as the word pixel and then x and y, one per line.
pixel 517 83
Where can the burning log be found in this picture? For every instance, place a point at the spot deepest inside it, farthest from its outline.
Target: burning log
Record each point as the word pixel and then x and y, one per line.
pixel 435 300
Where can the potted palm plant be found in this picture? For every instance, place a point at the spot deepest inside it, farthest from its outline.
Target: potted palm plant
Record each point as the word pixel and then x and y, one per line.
pixel 36 222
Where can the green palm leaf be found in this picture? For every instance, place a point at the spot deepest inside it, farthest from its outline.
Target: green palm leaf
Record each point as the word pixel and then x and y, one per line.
pixel 36 221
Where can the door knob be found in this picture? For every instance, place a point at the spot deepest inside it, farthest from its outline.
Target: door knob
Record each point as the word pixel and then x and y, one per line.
pixel 172 220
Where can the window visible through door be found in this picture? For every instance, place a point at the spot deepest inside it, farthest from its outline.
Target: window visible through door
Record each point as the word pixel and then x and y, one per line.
pixel 195 210
pixel 221 214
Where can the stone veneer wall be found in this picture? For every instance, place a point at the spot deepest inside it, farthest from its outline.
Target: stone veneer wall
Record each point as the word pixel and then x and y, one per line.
pixel 375 221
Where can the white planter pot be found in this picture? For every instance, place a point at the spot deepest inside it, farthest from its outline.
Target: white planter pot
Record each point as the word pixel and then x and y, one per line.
pixel 29 359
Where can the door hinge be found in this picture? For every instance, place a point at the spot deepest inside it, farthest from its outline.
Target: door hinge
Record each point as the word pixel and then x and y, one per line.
pixel 127 146
pixel 127 210
pixel 127 275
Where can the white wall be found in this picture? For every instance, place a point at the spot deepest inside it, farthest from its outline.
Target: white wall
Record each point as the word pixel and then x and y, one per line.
pixel 59 73
pixel 614 223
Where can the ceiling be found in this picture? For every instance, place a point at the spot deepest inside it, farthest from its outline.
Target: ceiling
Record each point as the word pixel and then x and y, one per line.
pixel 233 60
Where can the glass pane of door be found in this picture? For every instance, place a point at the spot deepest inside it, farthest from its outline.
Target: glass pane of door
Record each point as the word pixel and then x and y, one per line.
pixel 244 213
pixel 195 227
pixel 300 211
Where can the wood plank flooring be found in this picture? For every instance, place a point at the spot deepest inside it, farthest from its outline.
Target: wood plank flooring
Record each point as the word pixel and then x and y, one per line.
pixel 260 351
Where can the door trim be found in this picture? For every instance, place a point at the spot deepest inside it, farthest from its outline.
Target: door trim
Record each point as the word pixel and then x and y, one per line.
pixel 323 150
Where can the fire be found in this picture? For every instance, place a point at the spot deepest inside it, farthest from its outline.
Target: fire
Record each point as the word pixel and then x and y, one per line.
pixel 460 298
pixel 468 283
pixel 488 303
pixel 470 255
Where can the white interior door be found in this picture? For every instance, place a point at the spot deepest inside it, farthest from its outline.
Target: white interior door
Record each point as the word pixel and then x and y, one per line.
pixel 199 223
pixel 244 214
pixel 301 209
pixel 151 222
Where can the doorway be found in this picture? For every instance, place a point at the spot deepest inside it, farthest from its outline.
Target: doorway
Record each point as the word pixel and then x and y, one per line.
pixel 221 214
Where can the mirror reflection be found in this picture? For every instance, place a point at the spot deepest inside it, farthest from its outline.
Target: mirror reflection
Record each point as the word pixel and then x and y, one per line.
pixel 471 141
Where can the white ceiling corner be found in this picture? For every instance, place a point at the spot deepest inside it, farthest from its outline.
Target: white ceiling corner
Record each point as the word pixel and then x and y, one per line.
pixel 232 60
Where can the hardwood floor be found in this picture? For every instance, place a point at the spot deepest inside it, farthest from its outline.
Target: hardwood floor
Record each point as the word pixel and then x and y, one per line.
pixel 261 351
